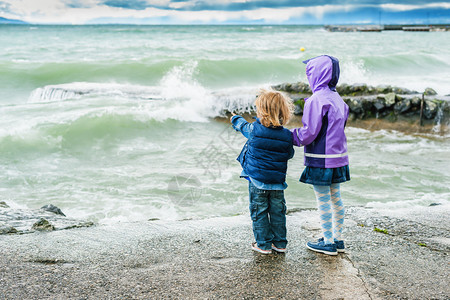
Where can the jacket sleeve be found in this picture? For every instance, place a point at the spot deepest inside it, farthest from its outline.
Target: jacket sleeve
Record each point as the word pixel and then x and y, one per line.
pixel 291 152
pixel 312 123
pixel 241 125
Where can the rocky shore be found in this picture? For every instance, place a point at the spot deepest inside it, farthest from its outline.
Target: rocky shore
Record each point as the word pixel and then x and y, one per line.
pixel 390 255
pixel 424 112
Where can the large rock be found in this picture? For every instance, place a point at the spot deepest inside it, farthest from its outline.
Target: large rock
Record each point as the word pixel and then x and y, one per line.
pixel 429 92
pixel 300 88
pixel 383 89
pixel 3 204
pixel 430 109
pixel 402 106
pixel 354 105
pixel 6 229
pixel 43 225
pixel 389 99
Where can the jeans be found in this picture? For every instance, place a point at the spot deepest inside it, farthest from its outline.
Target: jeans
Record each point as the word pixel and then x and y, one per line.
pixel 268 213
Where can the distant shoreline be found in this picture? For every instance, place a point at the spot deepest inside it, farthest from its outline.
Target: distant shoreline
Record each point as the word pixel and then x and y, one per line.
pixel 333 27
pixel 379 28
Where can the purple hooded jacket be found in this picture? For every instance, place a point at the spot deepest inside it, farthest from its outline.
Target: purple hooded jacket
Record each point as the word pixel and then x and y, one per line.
pixel 324 117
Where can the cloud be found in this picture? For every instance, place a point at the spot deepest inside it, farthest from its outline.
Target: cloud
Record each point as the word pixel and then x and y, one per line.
pixel 127 4
pixel 5 7
pixel 79 3
pixel 214 11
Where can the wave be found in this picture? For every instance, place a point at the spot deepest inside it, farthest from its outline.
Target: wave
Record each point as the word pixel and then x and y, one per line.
pixel 79 114
pixel 212 73
pixel 78 90
pixel 222 70
pixel 177 90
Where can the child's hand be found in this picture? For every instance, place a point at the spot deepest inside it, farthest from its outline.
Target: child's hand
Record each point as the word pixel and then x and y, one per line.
pixel 232 115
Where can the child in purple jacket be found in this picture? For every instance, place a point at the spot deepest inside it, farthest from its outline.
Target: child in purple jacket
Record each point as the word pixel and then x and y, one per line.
pixel 325 145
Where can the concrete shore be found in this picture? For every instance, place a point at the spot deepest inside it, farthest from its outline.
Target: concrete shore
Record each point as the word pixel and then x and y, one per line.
pixel 407 258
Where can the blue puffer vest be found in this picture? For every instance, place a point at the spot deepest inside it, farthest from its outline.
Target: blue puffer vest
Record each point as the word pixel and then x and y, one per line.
pixel 265 155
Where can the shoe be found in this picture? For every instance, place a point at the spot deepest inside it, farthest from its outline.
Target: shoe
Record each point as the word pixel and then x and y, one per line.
pixel 321 247
pixel 339 245
pixel 279 250
pixel 257 249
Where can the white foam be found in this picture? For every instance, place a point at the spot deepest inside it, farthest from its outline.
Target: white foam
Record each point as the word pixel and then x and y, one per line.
pixel 423 200
pixel 76 90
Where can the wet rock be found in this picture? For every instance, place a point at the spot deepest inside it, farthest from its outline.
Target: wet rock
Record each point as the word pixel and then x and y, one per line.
pixel 359 88
pixel 300 87
pixel 53 209
pixel 415 101
pixel 6 229
pixel 379 102
pixel 354 105
pixel 383 89
pixel 430 110
pixel 3 204
pixel 389 99
pixel 403 91
pixel 402 106
pixel 429 92
pixel 382 102
pixel 43 225
pixel 298 110
pixel 24 220
pixel 343 89
pixel 435 204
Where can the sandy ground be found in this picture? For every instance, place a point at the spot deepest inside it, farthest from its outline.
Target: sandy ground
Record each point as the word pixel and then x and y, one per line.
pixel 212 259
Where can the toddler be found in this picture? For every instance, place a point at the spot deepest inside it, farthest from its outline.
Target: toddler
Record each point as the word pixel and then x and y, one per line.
pixel 264 162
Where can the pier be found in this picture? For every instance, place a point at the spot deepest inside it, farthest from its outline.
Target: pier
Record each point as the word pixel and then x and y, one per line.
pixel 379 28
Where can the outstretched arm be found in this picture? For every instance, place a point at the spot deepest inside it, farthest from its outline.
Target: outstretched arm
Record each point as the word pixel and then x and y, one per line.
pixel 241 125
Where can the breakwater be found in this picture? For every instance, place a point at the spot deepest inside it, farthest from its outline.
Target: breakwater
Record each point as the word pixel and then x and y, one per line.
pixel 378 28
pixel 384 102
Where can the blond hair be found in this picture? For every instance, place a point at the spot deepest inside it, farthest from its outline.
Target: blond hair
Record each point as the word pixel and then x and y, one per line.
pixel 273 108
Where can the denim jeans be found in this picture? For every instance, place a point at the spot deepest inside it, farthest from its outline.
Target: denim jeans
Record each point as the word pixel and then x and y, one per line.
pixel 268 213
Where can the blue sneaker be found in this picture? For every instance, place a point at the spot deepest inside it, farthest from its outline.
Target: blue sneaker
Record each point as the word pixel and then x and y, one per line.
pixel 321 247
pixel 340 246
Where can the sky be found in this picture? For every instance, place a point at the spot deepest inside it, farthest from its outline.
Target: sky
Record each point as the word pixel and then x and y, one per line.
pixel 227 11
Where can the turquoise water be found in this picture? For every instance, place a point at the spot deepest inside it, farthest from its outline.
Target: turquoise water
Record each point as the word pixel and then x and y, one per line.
pixel 116 122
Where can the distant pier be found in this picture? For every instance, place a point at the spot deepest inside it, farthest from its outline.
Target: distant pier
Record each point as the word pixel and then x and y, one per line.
pixel 379 28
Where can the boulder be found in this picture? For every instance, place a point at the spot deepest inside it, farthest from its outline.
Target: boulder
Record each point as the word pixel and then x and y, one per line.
pixel 378 104
pixel 383 89
pixel 430 109
pixel 389 99
pixel 358 88
pixel 402 106
pixel 343 89
pixel 354 105
pixel 43 225
pixel 298 110
pixel 403 91
pixel 429 92
pixel 415 101
pixel 3 204
pixel 300 87
pixel 6 229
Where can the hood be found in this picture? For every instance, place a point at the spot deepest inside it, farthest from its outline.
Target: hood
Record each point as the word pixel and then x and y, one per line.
pixel 322 71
